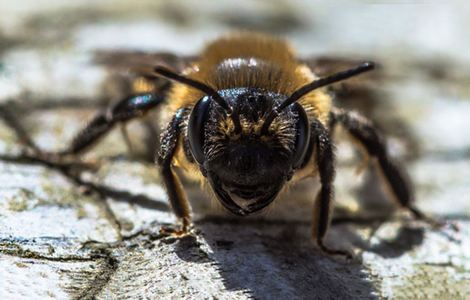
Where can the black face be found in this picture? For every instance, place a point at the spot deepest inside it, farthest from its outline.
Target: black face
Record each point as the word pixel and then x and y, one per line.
pixel 247 169
pixel 247 177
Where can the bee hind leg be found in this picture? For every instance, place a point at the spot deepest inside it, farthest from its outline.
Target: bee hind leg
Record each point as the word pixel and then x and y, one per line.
pixel 396 179
pixel 174 188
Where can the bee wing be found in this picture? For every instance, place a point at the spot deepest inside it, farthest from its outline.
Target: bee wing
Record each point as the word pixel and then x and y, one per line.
pixel 141 63
pixel 131 72
pixel 365 93
pixel 326 65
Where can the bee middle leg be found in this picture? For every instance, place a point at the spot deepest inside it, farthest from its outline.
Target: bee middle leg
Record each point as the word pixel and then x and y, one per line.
pixel 324 201
pixel 176 195
pixel 123 111
pixel 362 130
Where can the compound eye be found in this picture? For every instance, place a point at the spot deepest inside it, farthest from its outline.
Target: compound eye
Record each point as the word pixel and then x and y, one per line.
pixel 303 136
pixel 196 127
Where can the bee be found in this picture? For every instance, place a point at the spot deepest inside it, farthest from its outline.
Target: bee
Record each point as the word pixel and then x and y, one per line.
pixel 249 119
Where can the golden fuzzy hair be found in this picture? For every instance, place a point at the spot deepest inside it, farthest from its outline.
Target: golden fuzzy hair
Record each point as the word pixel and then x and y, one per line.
pixel 270 64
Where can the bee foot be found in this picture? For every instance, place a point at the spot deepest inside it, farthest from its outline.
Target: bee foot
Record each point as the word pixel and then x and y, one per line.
pixel 442 224
pixel 175 232
pixel 451 234
pixel 336 252
pixel 438 224
pixel 433 222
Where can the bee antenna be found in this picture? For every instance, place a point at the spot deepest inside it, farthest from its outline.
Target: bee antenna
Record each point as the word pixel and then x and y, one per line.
pixel 318 83
pixel 167 73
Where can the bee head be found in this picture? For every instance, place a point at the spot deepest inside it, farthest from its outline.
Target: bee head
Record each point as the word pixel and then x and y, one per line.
pixel 248 142
pixel 245 166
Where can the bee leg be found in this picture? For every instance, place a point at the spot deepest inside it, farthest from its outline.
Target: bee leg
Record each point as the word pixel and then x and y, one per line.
pixel 123 111
pixel 11 120
pixel 397 180
pixel 176 195
pixel 324 201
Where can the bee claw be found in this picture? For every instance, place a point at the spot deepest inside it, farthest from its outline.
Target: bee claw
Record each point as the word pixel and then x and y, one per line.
pixel 441 225
pixel 173 232
pixel 176 232
pixel 436 224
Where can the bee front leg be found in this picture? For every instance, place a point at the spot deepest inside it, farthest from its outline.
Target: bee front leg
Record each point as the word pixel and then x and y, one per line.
pixel 176 195
pixel 324 157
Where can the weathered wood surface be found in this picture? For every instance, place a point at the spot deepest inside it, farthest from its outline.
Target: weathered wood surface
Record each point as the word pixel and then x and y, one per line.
pixel 58 242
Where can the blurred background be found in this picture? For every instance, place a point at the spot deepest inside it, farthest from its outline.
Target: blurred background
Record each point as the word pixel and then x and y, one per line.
pixel 420 97
pixel 52 80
